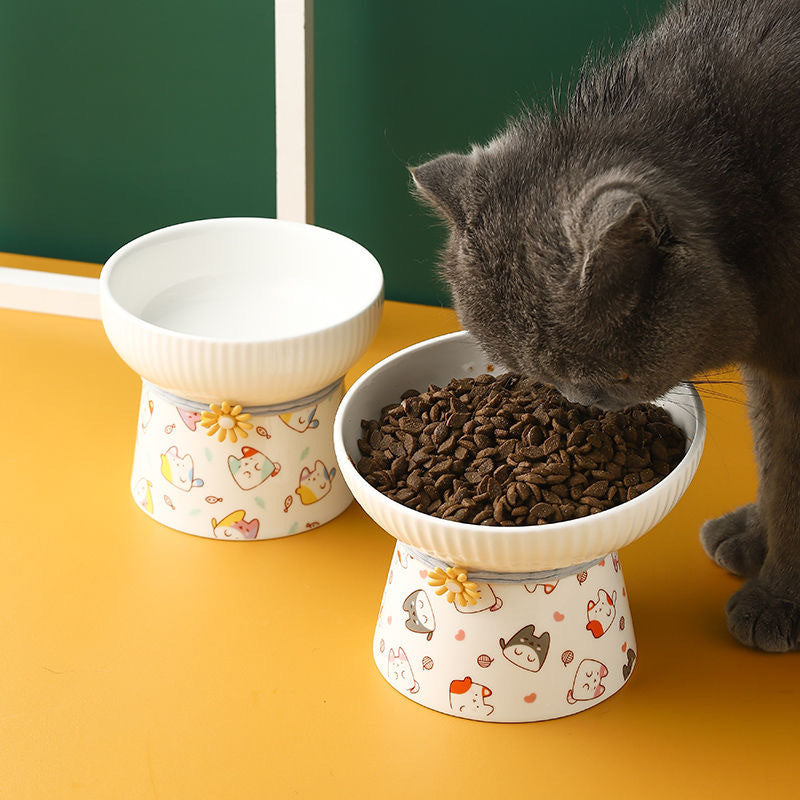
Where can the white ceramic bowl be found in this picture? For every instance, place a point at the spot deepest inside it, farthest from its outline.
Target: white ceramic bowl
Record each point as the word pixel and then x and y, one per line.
pixel 499 549
pixel 257 311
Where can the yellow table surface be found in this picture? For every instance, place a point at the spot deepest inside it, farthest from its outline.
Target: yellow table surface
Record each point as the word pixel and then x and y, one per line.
pixel 138 662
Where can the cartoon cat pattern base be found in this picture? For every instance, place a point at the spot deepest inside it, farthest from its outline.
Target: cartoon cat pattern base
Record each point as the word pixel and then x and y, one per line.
pixel 279 480
pixel 524 652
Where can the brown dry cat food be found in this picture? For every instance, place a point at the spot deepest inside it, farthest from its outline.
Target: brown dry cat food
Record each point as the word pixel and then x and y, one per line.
pixel 507 451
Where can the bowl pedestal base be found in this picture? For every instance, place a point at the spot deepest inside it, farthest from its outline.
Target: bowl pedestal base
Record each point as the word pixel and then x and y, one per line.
pixel 277 478
pixel 548 646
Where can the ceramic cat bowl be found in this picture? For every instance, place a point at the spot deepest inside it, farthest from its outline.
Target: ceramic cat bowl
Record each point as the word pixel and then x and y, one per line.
pixel 242 330
pixel 549 632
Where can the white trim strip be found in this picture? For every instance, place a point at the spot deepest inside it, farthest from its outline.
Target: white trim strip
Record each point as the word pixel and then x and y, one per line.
pixel 294 110
pixel 49 293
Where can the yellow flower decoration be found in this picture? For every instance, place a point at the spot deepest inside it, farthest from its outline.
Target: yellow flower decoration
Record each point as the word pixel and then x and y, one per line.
pixel 454 582
pixel 226 420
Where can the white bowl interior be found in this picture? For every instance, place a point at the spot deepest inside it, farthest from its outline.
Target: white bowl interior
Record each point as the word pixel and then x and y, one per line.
pixel 501 549
pixel 243 279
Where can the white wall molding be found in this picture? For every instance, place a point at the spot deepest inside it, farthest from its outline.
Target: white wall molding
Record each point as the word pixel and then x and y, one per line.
pixel 294 110
pixel 49 292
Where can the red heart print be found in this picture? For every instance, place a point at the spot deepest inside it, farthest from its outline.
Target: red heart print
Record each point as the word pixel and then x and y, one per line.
pixel 460 635
pixel 388 620
pixel 558 616
pixel 624 646
pixel 423 573
pixel 529 698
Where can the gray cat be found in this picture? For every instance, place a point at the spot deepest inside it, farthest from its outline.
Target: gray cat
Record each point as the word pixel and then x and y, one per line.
pixel 647 233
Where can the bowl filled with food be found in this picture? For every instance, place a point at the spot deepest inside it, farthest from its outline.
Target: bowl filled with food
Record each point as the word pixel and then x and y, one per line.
pixel 505 599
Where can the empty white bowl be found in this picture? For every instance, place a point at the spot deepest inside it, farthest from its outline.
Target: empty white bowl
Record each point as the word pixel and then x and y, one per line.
pixel 499 549
pixel 260 310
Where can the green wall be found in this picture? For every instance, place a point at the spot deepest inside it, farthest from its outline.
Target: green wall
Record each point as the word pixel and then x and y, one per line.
pixel 119 118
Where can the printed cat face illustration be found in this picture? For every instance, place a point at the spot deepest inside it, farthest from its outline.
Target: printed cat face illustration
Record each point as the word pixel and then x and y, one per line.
pixel 190 418
pixel 526 650
pixel 601 613
pixel 314 485
pixel 302 420
pixel 142 494
pixel 420 614
pixel 469 698
pixel 179 471
pixel 235 526
pixel 588 681
pixel 400 673
pixel 252 469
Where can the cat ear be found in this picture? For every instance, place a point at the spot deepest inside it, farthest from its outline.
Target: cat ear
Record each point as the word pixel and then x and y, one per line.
pixel 441 183
pixel 621 243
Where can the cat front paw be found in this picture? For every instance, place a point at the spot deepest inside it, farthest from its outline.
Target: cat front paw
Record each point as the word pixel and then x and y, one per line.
pixel 758 618
pixel 736 541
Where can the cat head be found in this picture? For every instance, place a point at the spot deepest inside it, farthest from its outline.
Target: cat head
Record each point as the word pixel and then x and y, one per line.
pixel 235 526
pixel 316 483
pixel 179 471
pixel 525 649
pixel 143 495
pixel 575 265
pixel 420 614
pixel 252 469
pixel 601 613
pixel 399 671
pixel 468 697
pixel 588 681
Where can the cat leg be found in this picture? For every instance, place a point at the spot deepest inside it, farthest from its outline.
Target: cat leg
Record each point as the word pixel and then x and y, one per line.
pixel 736 541
pixel 765 612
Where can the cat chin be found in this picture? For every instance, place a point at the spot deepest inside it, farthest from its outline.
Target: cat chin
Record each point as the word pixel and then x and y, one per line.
pixel 608 401
pixel 601 400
